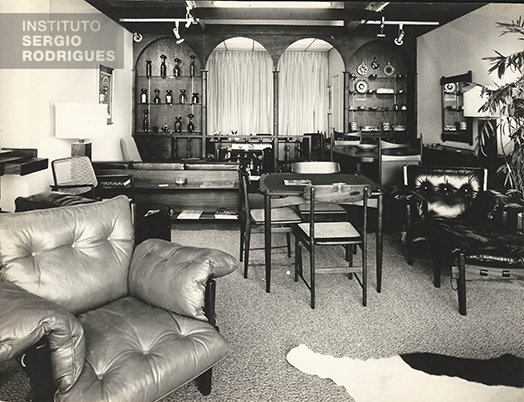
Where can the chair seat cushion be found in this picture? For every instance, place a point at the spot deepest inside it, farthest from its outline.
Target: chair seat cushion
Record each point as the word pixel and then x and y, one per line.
pixel 278 215
pixel 322 207
pixel 136 352
pixel 332 230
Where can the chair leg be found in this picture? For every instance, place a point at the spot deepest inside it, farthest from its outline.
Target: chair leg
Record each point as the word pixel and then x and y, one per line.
pixel 242 238
pixel 436 274
pixel 298 260
pixel 461 284
pixel 204 382
pixel 364 276
pixel 312 274
pixel 247 236
pixel 409 249
pixel 349 257
pixel 288 239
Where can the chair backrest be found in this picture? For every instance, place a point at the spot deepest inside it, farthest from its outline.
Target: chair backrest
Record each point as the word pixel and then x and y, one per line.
pixel 315 167
pixel 76 170
pixel 76 256
pixel 130 150
pixel 337 193
pixel 244 210
pixel 448 191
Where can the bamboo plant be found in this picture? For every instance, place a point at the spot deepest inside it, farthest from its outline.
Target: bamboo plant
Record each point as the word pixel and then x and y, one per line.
pixel 507 100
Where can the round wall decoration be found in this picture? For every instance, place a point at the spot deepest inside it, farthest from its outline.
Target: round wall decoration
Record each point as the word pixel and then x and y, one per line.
pixel 362 69
pixel 450 87
pixel 361 86
pixel 389 69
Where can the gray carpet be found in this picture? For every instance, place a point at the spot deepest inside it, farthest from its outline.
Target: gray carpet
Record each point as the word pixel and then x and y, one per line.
pixel 410 315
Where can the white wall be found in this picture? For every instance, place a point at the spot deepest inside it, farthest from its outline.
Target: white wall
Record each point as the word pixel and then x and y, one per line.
pixel 456 48
pixel 27 99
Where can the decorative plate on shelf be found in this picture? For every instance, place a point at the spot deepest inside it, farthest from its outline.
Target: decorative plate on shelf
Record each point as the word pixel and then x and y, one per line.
pixel 450 87
pixel 361 86
pixel 366 147
pixel 389 69
pixel 362 69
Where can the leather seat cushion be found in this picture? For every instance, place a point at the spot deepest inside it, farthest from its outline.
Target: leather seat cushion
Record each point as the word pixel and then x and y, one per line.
pixel 136 352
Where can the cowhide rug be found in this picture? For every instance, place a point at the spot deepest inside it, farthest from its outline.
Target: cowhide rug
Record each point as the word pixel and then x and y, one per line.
pixel 420 377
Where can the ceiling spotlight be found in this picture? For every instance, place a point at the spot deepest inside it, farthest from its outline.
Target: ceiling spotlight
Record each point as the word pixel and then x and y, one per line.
pixel 176 32
pixel 381 34
pixel 399 40
pixel 137 37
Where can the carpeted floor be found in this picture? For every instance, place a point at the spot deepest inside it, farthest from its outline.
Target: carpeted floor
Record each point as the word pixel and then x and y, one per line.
pixel 410 315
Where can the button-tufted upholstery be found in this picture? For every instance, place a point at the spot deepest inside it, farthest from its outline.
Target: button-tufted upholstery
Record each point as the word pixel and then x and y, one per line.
pixel 123 324
pixel 464 224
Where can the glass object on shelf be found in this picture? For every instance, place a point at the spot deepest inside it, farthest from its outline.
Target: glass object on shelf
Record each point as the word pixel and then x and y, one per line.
pixel 178 124
pixel 156 99
pixel 183 96
pixel 145 121
pixel 176 69
pixel 163 67
pixel 192 66
pixel 353 126
pixel 143 95
pixel 386 126
pixel 169 97
pixel 148 68
pixel 190 125
pixel 195 98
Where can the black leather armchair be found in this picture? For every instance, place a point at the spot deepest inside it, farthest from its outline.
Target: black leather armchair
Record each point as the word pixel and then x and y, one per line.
pixel 121 323
pixel 464 225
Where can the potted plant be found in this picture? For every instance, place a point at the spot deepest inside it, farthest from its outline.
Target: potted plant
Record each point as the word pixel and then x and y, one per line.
pixel 507 101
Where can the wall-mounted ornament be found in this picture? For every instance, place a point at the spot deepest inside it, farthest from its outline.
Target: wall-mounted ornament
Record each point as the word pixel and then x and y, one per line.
pixel 362 69
pixel 389 69
pixel 375 64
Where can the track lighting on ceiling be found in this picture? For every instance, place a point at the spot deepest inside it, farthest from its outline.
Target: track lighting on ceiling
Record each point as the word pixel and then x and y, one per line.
pixel 399 40
pixel 137 37
pixel 381 34
pixel 176 32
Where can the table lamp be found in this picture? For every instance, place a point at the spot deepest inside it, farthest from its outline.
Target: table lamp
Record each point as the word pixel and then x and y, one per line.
pixel 80 121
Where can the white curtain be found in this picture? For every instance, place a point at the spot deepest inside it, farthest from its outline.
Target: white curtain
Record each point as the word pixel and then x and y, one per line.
pixel 240 92
pixel 303 93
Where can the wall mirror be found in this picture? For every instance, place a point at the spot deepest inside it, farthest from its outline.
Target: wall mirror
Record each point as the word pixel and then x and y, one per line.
pixel 455 126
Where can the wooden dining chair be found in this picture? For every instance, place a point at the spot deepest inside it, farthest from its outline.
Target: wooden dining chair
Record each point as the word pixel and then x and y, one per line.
pixel 252 221
pixel 315 233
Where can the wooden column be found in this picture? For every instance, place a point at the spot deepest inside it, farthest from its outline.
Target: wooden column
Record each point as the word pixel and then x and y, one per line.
pixel 204 112
pixel 275 120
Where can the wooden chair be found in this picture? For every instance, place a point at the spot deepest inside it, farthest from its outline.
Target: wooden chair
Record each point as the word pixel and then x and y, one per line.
pixel 74 175
pixel 319 167
pixel 252 221
pixel 315 233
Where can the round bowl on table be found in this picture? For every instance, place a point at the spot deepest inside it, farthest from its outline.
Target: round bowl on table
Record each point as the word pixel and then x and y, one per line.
pixel 180 180
pixel 366 147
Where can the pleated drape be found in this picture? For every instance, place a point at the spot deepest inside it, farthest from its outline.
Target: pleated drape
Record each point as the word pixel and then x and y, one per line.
pixel 303 92
pixel 240 92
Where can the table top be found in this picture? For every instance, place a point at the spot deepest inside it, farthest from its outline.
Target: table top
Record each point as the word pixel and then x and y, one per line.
pixel 273 183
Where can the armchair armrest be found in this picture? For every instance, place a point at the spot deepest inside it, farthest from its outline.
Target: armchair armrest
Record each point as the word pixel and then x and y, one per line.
pixel 174 277
pixel 25 318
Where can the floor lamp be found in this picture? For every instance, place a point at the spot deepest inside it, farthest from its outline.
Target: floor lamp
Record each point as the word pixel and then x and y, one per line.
pixel 80 121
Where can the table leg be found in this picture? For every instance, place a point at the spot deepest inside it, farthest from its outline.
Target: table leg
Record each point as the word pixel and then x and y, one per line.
pixel 267 239
pixel 379 243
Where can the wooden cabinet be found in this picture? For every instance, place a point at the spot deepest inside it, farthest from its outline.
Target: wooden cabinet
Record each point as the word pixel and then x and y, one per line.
pixel 455 126
pixel 168 102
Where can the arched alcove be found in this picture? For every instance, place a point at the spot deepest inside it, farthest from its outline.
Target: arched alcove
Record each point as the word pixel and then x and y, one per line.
pixel 310 88
pixel 380 91
pixel 240 88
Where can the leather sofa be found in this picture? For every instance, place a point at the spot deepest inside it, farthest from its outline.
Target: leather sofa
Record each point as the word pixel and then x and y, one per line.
pixel 121 323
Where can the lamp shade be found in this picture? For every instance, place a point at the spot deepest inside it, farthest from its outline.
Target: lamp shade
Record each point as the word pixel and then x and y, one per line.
pixel 80 120
pixel 473 102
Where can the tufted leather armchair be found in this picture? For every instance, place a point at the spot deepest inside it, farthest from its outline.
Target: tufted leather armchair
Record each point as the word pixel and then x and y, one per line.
pixel 120 323
pixel 465 226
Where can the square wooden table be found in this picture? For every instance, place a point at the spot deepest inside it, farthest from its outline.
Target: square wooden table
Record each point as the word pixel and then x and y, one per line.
pixel 272 185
